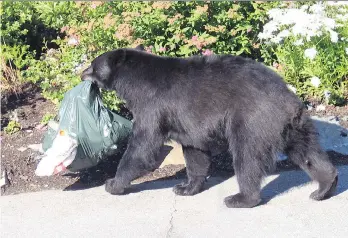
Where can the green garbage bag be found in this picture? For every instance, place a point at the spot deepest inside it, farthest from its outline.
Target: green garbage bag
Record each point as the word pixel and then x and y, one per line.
pixel 98 131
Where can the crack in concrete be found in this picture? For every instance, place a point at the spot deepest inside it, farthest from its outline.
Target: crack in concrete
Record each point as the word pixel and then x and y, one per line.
pixel 171 218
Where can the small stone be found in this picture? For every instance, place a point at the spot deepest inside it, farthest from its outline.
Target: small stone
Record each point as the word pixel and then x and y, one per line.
pixel 21 114
pixel 23 177
pixel 28 131
pixel 4 179
pixel 22 149
pixel 46 186
pixel 36 147
pixel 14 116
pixel 320 107
pixel 38 157
pixel 41 127
pixel 309 107
pixel 333 118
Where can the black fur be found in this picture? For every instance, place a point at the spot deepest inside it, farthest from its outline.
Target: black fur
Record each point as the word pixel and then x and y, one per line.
pixel 210 104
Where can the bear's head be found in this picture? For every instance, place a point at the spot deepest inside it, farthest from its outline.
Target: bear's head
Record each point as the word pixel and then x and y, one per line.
pixel 105 67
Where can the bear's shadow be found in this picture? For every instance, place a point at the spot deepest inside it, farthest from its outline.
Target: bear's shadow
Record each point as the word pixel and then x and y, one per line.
pixel 106 169
pixel 96 176
pixel 282 183
pixel 286 181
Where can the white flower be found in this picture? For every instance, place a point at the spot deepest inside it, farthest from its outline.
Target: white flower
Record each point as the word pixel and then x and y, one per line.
pixel 284 33
pixel 310 53
pixel 342 17
pixel 292 88
pixel 346 51
pixel 73 41
pixel 275 13
pixel 306 22
pixel 315 81
pixel 337 3
pixel 333 36
pixel 83 57
pixel 317 8
pixel 327 94
pixel 329 23
pixel 269 28
pixel 298 42
pixel 304 8
pixel 276 39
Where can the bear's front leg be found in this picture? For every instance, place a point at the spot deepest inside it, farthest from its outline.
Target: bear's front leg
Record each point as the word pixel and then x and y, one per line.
pixel 115 186
pixel 141 157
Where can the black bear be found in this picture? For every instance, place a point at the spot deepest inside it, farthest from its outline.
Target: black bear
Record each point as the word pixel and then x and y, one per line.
pixel 210 104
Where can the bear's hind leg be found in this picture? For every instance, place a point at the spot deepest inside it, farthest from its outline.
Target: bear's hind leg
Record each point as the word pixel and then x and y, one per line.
pixel 197 167
pixel 249 165
pixel 304 150
pixel 249 181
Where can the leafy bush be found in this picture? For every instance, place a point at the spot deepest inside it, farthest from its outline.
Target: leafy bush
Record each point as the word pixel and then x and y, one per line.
pixel 46 118
pixel 12 127
pixel 9 79
pixel 84 30
pixel 165 28
pixel 22 37
pixel 311 48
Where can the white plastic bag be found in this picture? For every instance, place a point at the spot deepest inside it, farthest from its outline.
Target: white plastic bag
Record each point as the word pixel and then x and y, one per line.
pixel 60 155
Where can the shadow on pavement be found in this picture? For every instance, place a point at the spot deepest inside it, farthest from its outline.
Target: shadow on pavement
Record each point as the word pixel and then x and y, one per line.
pixel 222 168
pixel 106 169
pixel 286 181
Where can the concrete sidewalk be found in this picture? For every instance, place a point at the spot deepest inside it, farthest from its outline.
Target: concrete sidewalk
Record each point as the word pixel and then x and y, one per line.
pixel 154 211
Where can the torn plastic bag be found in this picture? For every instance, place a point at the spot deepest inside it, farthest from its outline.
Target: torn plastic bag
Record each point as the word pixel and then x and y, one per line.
pixel 59 156
pixel 98 131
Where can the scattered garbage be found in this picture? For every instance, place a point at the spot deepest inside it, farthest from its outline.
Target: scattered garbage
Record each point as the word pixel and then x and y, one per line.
pixel 84 133
pixel 41 127
pixel 4 179
pixel 22 149
pixel 320 108
pixel 309 107
pixel 59 156
pixel 36 147
pixel 333 119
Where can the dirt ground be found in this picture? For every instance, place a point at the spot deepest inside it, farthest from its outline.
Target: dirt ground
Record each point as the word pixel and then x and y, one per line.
pixel 20 165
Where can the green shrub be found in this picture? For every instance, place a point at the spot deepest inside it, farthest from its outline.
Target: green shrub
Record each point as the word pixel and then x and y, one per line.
pixel 12 127
pixel 165 28
pixel 46 118
pixel 84 30
pixel 23 34
pixel 311 51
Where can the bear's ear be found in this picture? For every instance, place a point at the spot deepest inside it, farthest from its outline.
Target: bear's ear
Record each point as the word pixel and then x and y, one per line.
pixel 140 47
pixel 117 57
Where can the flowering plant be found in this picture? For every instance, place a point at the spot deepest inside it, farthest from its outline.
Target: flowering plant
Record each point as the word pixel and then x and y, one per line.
pixel 51 42
pixel 87 29
pixel 310 44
